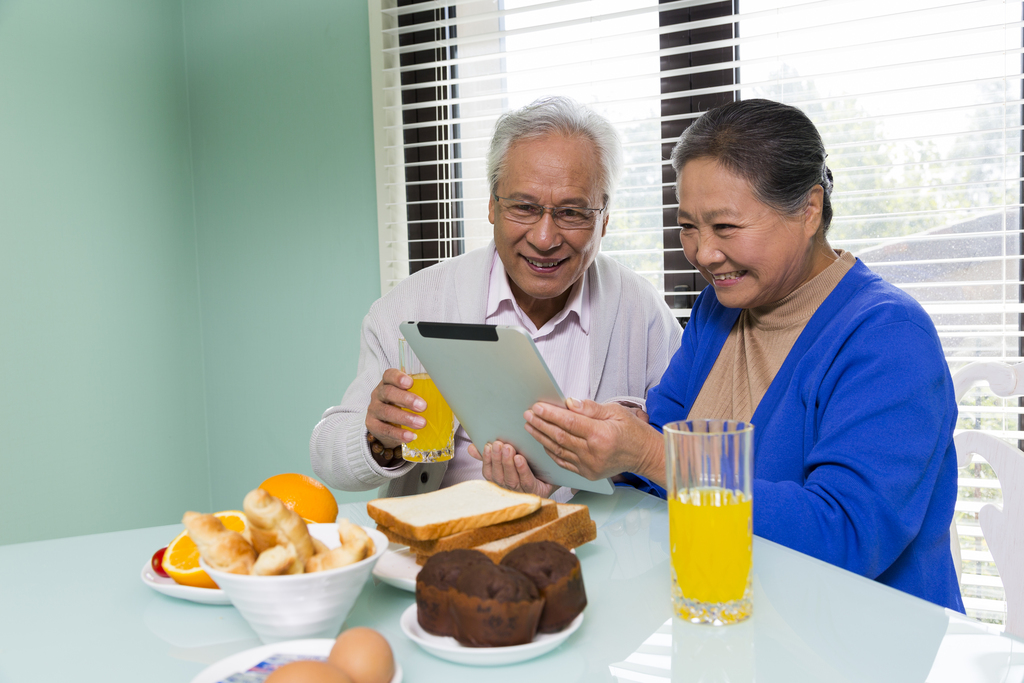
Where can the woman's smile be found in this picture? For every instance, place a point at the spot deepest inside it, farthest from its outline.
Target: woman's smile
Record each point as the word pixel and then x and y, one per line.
pixel 726 279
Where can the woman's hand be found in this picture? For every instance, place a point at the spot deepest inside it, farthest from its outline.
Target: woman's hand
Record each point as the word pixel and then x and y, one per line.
pixel 598 440
pixel 505 467
pixel 388 416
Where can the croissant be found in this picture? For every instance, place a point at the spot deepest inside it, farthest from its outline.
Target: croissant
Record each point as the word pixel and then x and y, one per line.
pixel 263 532
pixel 219 547
pixel 339 557
pixel 353 535
pixel 274 561
pixel 272 524
pixel 356 545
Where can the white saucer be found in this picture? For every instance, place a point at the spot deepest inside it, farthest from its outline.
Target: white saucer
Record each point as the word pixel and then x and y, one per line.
pixel 238 663
pixel 448 648
pixel 398 568
pixel 167 586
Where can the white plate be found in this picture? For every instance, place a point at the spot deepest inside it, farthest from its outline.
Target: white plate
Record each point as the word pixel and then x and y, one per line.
pixel 167 586
pixel 319 647
pixel 398 568
pixel 448 648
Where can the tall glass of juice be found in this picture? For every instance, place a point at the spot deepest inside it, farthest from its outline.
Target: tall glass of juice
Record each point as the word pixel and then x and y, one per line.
pixel 434 441
pixel 709 468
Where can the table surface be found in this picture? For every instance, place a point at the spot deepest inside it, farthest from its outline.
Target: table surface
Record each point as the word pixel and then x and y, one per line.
pixel 76 609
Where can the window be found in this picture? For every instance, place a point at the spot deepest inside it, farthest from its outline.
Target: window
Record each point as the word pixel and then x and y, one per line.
pixel 430 133
pixel 919 103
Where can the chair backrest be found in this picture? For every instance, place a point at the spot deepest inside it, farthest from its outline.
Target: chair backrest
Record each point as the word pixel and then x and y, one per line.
pixel 1003 526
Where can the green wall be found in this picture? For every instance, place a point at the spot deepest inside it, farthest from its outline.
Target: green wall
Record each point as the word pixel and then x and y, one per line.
pixel 282 140
pixel 101 388
pixel 187 245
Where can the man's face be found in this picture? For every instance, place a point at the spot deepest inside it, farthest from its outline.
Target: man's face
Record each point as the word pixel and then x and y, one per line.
pixel 543 261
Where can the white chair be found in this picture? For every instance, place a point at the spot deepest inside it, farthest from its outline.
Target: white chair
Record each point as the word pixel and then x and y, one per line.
pixel 1003 526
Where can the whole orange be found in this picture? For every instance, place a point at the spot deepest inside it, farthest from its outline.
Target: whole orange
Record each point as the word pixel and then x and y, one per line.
pixel 305 495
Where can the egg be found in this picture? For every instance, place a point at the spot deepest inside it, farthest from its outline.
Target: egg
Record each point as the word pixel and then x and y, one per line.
pixel 308 671
pixel 364 655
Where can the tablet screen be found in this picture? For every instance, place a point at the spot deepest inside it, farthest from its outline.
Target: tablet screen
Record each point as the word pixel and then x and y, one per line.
pixel 490 375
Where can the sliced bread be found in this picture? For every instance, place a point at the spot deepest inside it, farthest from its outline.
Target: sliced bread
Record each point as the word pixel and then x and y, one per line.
pixel 468 505
pixel 572 528
pixel 547 512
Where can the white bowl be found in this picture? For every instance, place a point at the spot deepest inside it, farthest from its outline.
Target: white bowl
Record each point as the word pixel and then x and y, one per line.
pixel 300 605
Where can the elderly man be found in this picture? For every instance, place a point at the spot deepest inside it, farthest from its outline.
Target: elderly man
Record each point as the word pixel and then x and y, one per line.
pixel 604 332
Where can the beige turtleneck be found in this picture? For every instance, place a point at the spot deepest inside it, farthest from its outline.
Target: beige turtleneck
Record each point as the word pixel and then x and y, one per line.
pixel 758 345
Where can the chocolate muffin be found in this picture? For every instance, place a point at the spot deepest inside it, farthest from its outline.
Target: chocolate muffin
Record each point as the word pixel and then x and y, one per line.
pixel 495 606
pixel 556 573
pixel 435 585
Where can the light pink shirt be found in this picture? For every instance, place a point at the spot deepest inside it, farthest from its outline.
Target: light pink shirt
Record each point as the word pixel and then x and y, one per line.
pixel 563 342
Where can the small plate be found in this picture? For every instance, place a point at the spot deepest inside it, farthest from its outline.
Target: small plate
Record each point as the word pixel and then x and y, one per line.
pixel 162 584
pixel 243 661
pixel 448 648
pixel 398 568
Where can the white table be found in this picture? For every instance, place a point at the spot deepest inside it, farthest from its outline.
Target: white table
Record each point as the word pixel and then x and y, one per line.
pixel 75 609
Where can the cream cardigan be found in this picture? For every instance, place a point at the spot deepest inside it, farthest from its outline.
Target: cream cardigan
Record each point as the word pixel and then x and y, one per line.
pixel 632 338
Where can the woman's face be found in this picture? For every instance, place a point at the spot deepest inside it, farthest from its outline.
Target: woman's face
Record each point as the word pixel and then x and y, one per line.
pixel 750 253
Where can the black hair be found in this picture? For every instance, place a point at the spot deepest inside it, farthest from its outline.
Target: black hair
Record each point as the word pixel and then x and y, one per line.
pixel 774 146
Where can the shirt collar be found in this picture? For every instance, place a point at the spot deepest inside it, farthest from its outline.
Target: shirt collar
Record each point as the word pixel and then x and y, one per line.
pixel 499 291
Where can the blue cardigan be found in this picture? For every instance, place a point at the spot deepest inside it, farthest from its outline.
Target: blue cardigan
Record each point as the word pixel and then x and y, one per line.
pixel 853 442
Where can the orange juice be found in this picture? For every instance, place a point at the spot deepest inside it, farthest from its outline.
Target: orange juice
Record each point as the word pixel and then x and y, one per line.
pixel 434 441
pixel 711 541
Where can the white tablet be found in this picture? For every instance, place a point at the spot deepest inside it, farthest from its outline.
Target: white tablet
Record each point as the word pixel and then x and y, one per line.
pixel 490 375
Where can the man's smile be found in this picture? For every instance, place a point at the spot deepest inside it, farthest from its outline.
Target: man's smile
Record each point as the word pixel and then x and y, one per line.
pixel 544 265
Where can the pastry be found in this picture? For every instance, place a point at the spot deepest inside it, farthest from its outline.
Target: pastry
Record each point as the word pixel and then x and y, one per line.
pixel 495 606
pixel 271 524
pixel 435 585
pixel 274 561
pixel 355 546
pixel 219 547
pixel 556 573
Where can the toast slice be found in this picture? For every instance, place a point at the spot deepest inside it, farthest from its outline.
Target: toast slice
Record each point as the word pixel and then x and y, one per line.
pixel 572 528
pixel 467 505
pixel 547 512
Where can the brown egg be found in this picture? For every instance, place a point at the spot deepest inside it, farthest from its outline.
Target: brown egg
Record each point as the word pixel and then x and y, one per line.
pixel 364 655
pixel 308 671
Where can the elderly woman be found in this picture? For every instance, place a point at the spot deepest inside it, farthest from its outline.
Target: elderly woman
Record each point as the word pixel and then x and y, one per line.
pixel 841 374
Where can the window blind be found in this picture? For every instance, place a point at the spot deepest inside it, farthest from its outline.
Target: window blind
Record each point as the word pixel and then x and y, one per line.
pixel 919 103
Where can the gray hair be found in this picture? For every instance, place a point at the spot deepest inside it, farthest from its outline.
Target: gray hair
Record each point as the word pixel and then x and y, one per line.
pixel 556 115
pixel 773 146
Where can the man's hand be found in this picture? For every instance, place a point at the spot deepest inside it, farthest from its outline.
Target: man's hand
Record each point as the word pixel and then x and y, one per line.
pixel 598 440
pixel 388 416
pixel 505 467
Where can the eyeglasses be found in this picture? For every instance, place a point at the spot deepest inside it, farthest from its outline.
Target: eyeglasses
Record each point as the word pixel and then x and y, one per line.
pixel 565 217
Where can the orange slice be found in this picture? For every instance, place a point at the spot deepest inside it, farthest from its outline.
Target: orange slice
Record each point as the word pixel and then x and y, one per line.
pixel 181 560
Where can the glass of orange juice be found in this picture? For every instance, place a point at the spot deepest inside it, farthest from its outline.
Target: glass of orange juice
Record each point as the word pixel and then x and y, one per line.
pixel 435 442
pixel 709 468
